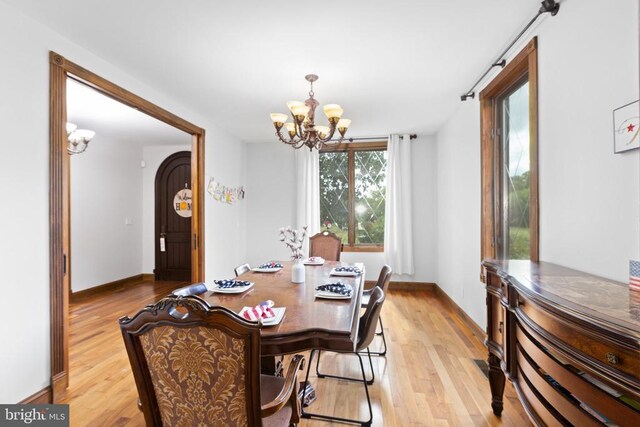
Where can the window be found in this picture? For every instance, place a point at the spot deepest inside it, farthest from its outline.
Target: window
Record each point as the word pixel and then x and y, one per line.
pixel 352 193
pixel 509 160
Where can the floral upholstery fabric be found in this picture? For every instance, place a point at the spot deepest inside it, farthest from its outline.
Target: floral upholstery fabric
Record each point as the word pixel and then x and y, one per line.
pixel 198 376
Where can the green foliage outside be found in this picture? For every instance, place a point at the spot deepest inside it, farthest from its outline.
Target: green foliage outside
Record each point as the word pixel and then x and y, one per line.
pixel 369 200
pixel 519 236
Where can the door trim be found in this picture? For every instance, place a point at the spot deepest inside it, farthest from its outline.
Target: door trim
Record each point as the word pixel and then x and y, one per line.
pixel 59 208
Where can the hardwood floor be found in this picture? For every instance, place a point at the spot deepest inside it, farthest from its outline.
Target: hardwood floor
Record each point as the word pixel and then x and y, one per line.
pixel 429 377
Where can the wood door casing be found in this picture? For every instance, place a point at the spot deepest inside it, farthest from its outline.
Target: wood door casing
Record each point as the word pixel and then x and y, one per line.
pixel 173 263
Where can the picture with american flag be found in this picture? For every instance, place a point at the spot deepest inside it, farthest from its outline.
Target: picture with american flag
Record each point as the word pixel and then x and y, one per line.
pixel 634 276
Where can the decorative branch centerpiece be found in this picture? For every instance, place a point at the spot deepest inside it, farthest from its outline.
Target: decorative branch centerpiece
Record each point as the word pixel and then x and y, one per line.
pixel 294 240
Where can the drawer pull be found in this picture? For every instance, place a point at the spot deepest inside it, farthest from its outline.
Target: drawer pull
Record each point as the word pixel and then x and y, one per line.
pixel 612 358
pixel 501 325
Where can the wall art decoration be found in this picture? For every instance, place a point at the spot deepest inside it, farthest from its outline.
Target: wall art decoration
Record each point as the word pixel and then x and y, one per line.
pixel 224 194
pixel 182 203
pixel 626 125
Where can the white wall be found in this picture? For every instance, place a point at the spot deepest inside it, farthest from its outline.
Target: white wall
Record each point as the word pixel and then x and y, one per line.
pixel 24 247
pixel 271 204
pixel 589 197
pixel 153 156
pixel 105 190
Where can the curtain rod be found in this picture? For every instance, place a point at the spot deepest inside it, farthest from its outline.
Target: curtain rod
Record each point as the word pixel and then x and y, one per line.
pixel 548 6
pixel 369 138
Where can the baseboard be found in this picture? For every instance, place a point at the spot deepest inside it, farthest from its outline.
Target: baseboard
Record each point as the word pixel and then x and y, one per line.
pixel 455 308
pixel 109 286
pixel 41 397
pixel 148 277
pixel 404 286
pixel 59 385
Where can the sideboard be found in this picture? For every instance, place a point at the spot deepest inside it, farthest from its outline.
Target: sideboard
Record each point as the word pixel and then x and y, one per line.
pixel 568 341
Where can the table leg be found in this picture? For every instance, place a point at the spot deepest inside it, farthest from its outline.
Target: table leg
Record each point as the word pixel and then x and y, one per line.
pixel 271 366
pixel 496 382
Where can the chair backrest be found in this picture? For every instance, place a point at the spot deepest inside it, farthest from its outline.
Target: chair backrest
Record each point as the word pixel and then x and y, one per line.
pixel 369 320
pixel 326 245
pixel 241 269
pixel 194 363
pixel 195 289
pixel 384 278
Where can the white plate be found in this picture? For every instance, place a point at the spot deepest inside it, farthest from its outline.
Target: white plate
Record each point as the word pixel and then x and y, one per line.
pixel 279 315
pixel 330 295
pixel 267 270
pixel 316 261
pixel 344 273
pixel 237 290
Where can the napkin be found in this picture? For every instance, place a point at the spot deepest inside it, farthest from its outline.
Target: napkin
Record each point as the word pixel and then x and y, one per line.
pixel 226 284
pixel 270 265
pixel 263 310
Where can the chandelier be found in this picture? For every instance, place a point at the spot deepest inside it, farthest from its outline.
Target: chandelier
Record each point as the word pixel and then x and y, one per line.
pixel 303 130
pixel 78 139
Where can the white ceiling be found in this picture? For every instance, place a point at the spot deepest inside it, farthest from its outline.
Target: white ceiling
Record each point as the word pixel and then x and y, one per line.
pixel 394 66
pixel 89 109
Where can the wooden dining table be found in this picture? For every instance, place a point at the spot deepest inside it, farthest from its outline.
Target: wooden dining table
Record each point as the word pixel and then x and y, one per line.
pixel 309 322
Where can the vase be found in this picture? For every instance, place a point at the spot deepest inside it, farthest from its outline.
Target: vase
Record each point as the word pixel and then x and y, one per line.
pixel 297 272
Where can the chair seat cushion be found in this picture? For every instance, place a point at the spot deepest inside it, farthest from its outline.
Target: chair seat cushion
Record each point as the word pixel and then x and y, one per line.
pixel 270 387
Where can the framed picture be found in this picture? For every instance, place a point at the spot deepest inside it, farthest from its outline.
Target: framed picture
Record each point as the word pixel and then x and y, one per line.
pixel 626 125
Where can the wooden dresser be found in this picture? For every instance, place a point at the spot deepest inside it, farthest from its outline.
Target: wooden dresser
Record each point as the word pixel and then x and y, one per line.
pixel 568 341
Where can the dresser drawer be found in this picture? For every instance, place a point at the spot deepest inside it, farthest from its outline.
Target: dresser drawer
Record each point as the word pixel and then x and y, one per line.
pixel 598 347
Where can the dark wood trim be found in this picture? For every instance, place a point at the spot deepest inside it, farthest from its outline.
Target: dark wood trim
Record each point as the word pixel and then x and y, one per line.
pixel 460 313
pixel 60 70
pixel 41 397
pixel 525 63
pixel 106 287
pixel 358 248
pixel 412 286
pixel 148 277
pixel 355 146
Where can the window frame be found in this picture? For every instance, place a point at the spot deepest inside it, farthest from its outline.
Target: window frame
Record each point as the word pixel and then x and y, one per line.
pixel 524 65
pixel 351 148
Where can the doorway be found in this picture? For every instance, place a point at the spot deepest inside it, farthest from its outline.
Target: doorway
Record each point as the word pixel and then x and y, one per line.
pixel 173 212
pixel 60 70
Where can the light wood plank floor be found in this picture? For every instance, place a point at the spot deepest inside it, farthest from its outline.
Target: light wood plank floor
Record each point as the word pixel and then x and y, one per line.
pixel 428 378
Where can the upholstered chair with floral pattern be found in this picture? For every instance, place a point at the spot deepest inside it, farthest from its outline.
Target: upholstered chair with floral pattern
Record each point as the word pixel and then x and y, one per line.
pixel 198 365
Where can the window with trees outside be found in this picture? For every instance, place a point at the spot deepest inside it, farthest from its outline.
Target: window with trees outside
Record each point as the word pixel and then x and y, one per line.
pixel 352 194
pixel 509 110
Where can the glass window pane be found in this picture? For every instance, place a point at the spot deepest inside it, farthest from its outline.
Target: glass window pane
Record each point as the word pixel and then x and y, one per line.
pixel 516 172
pixel 369 201
pixel 334 193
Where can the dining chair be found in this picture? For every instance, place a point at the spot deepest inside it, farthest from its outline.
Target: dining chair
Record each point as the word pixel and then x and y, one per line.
pixel 383 283
pixel 326 245
pixel 241 269
pixel 195 289
pixel 366 331
pixel 196 364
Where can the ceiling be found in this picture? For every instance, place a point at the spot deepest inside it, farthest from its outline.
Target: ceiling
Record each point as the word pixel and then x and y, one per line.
pixel 395 67
pixel 110 119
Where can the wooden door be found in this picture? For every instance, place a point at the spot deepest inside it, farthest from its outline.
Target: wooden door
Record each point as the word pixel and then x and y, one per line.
pixel 173 209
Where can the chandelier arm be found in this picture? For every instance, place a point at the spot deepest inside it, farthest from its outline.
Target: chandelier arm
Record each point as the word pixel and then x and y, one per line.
pixel 280 137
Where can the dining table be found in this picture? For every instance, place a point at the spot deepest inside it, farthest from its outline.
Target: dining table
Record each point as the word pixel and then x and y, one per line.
pixel 309 322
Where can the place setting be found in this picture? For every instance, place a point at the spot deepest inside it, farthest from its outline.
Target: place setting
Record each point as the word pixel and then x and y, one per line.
pixel 337 290
pixel 349 271
pixel 268 267
pixel 266 312
pixel 314 260
pixel 231 286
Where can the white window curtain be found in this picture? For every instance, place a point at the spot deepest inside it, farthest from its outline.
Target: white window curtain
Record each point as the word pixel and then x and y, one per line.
pixel 308 191
pixel 398 232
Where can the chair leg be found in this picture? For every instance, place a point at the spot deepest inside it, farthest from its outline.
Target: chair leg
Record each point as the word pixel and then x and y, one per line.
pixel 369 381
pixel 344 420
pixel 384 341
